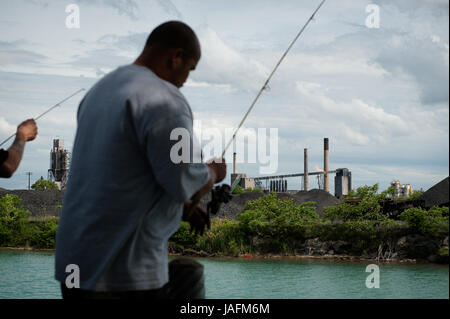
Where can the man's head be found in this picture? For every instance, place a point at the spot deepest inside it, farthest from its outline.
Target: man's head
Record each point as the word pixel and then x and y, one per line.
pixel 172 50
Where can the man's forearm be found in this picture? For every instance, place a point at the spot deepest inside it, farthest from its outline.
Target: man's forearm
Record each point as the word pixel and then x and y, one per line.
pixel 15 153
pixel 18 146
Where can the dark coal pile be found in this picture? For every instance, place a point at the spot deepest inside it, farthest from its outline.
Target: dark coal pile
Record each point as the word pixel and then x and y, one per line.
pixel 232 208
pixel 436 195
pixel 320 197
pixel 237 204
pixel 39 203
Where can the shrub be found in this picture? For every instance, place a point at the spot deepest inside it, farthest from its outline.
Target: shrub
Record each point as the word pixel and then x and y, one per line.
pixel 371 192
pixel 238 190
pixel 42 185
pixel 16 230
pixel 364 192
pixel 183 236
pixel 13 220
pixel 44 233
pixel 225 237
pixel 11 208
pixel 254 190
pixel 272 217
pixel 433 222
pixel 443 251
pixel 367 209
pixel 342 212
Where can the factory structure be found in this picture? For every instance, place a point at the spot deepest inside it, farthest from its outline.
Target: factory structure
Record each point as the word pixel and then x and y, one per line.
pixel 401 190
pixel 278 183
pixel 59 164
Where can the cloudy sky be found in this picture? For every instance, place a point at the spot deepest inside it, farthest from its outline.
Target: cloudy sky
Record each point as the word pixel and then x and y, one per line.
pixel 379 94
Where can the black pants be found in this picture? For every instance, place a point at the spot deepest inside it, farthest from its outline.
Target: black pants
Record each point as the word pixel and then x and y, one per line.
pixel 186 281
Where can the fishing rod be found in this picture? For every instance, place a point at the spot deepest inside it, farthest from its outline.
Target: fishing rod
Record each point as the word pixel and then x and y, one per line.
pixel 270 77
pixel 48 110
pixel 222 194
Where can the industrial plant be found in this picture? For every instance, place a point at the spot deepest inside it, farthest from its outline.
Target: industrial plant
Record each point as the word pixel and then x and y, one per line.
pixel 60 162
pixel 278 183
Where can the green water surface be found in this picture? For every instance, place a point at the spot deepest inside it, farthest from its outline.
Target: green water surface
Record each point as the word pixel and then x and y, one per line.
pixel 29 274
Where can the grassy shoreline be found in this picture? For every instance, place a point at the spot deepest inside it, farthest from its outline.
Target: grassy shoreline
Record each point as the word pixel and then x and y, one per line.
pixel 274 227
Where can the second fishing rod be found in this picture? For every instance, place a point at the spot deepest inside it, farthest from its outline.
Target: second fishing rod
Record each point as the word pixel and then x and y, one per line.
pixel 47 111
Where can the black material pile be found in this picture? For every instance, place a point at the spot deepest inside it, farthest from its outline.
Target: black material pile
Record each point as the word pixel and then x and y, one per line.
pixel 237 204
pixel 320 197
pixel 232 208
pixel 436 195
pixel 39 203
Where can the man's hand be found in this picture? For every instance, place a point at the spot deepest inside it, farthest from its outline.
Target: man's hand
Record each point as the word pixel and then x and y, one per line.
pixel 219 167
pixel 218 170
pixel 198 218
pixel 28 130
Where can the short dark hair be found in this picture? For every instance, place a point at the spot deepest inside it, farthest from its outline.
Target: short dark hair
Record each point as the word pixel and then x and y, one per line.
pixel 175 34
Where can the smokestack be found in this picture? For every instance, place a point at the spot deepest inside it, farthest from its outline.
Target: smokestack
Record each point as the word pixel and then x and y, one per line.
pixel 234 163
pixel 305 170
pixel 326 162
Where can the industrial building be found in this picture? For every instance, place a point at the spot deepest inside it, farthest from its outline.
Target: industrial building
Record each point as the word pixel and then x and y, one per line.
pixel 240 178
pixel 59 164
pixel 401 190
pixel 342 182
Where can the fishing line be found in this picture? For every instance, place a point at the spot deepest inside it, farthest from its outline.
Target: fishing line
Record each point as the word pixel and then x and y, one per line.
pixel 265 86
pixel 48 110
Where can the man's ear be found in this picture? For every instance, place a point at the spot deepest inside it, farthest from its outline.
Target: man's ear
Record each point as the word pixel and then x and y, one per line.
pixel 176 58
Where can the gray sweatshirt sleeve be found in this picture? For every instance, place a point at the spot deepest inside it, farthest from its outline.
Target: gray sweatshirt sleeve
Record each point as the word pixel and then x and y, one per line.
pixel 172 151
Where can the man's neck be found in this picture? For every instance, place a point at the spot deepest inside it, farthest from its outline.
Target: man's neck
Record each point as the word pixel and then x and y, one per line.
pixel 151 66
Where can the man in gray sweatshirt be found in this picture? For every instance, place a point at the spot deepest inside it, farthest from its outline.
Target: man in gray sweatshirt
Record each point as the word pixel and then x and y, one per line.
pixel 126 194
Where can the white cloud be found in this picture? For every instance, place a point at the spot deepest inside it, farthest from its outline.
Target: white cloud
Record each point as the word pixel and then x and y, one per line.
pixel 6 129
pixel 128 8
pixel 12 53
pixel 41 3
pixel 435 38
pixel 374 123
pixel 352 135
pixel 412 5
pixel 170 8
pixel 426 61
pixel 221 64
pixel 334 65
pixel 197 84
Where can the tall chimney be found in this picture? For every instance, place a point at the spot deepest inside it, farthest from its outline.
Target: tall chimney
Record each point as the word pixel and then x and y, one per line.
pixel 234 163
pixel 326 162
pixel 305 170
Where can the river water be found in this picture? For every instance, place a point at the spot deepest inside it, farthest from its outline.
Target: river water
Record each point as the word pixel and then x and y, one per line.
pixel 29 274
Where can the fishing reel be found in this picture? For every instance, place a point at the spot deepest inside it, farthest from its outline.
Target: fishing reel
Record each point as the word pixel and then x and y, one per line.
pixel 219 194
